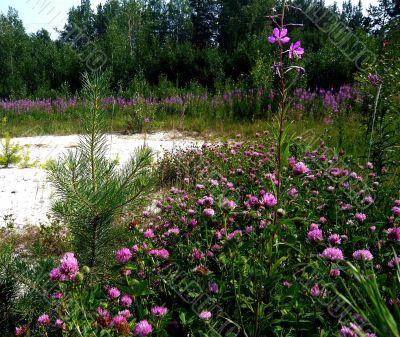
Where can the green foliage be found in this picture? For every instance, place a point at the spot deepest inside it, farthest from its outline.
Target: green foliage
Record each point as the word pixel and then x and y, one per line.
pixel 181 39
pixel 142 116
pixel 10 152
pixel 24 287
pixel 8 288
pixel 382 105
pixel 91 191
pixel 365 297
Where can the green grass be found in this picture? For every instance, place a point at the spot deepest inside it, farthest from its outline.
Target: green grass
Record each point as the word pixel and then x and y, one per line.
pixel 209 128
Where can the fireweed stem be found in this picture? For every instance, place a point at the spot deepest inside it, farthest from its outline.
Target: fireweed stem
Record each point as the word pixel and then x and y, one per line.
pixel 280 136
pixel 373 119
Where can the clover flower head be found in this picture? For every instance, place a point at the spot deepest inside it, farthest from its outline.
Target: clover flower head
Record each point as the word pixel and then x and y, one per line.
pixel 363 254
pixel 143 329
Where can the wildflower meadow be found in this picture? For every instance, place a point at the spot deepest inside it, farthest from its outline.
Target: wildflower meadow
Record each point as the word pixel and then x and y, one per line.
pixel 291 228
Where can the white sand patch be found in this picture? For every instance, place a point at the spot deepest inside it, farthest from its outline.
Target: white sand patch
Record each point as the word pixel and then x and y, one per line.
pixel 25 195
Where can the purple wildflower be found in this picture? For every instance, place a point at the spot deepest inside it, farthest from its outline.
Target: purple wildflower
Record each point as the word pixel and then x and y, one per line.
pixel 363 254
pixel 315 234
pixel 213 287
pixel 143 329
pixel 21 331
pixel 295 50
pixel 148 233
pixel 334 239
pixel 300 168
pixel 347 332
pixel 126 300
pixel 394 233
pixel 396 211
pixel 334 273
pixel 159 311
pixel 113 293
pixel 57 296
pixel 228 204
pixel 360 217
pixel 368 200
pixel 43 320
pixel 268 200
pixel 161 253
pixel 205 315
pixel 60 324
pixel 394 262
pixel 315 290
pixel 279 36
pixel 123 255
pixel 292 192
pixel 374 79
pixel 208 212
pixel 333 254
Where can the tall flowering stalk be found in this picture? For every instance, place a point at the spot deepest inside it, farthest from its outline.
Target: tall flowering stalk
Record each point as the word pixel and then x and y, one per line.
pixel 280 38
pixel 295 51
pixel 269 246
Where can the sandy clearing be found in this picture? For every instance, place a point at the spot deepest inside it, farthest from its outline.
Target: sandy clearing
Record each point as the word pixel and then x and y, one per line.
pixel 25 195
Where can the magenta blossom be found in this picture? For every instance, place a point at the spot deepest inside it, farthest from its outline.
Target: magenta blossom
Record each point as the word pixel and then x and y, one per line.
pixel 347 332
pixel 363 254
pixel 333 254
pixel 205 315
pixel 69 266
pixel 126 300
pixel 143 329
pixel 60 323
pixel 394 233
pixel 315 234
pixel 360 217
pixel 21 331
pixel 300 168
pixel 374 79
pixel 213 287
pixel 396 211
pixel 315 290
pixel 208 212
pixel 334 239
pixel 268 200
pixel 159 311
pixel 292 192
pixel 67 269
pixel 123 255
pixel 161 253
pixel 43 320
pixel 334 273
pixel 113 293
pixel 295 50
pixel 394 262
pixel 279 36
pixel 58 295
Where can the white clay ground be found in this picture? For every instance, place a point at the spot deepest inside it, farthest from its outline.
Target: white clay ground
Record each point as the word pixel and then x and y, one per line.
pixel 25 195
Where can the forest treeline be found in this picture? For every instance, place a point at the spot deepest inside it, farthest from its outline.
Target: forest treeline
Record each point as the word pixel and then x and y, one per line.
pixel 212 44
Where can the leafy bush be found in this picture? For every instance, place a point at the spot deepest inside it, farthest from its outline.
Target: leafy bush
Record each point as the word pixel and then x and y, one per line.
pixel 142 115
pixel 10 153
